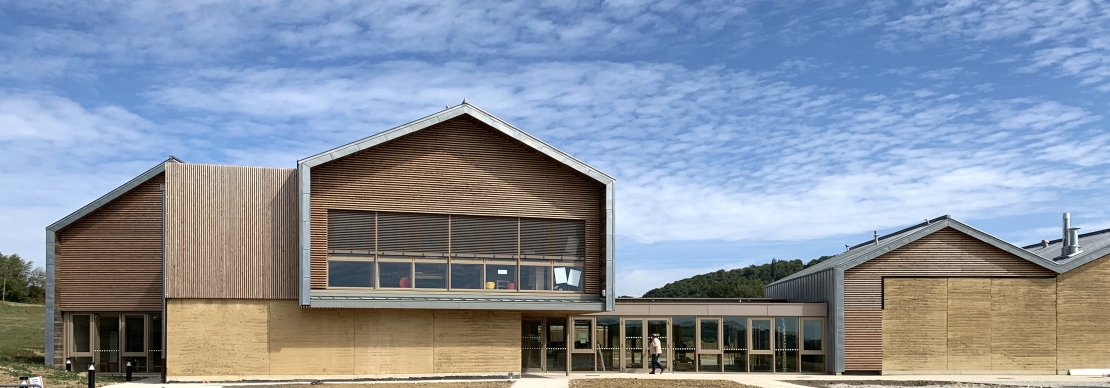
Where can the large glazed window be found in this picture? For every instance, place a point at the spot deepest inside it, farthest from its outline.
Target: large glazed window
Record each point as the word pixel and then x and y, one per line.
pixel 391 250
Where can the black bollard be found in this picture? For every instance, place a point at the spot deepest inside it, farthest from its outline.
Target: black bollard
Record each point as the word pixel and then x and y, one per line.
pixel 129 371
pixel 69 365
pixel 92 376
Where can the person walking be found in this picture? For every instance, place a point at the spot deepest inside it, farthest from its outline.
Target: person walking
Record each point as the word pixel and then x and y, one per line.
pixel 656 349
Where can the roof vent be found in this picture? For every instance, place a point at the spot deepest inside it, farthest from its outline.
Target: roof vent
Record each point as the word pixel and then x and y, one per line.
pixel 1071 238
pixel 1044 243
pixel 876 237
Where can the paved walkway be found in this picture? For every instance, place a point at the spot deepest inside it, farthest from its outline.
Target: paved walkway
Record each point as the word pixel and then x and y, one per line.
pixel 783 381
pixel 555 380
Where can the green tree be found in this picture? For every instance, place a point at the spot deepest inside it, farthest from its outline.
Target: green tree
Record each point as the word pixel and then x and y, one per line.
pixel 747 282
pixel 21 281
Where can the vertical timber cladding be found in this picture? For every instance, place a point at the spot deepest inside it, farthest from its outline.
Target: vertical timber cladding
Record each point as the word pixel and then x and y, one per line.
pixel 267 338
pixel 980 325
pixel 944 253
pixel 231 232
pixel 111 259
pixel 1083 316
pixel 460 166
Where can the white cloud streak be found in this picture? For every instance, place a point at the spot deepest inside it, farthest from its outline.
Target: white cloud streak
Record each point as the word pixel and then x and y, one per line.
pixel 703 153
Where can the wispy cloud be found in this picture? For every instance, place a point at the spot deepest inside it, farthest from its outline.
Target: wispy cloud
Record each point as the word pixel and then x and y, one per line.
pixel 750 121
pixel 701 153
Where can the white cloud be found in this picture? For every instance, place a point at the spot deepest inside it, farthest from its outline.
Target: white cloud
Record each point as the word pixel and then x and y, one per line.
pixel 59 155
pixel 700 153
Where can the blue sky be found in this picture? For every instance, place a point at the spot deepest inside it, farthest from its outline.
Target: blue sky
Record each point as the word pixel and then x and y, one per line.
pixel 738 131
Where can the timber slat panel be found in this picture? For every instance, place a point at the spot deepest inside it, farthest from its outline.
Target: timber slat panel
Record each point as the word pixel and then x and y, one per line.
pixel 915 323
pixel 1083 316
pixel 463 167
pixel 944 253
pixel 111 259
pixel 231 232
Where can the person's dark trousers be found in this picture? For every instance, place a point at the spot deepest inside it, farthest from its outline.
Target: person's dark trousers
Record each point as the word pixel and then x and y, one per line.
pixel 655 364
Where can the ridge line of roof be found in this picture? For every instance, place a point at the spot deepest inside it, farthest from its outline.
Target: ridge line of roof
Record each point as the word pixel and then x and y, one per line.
pixel 931 226
pixel 451 113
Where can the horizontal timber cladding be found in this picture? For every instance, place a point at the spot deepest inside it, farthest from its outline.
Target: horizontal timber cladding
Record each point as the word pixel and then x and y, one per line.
pixel 231 232
pixel 111 259
pixel 944 253
pixel 1083 316
pixel 461 167
pixel 961 325
pixel 236 339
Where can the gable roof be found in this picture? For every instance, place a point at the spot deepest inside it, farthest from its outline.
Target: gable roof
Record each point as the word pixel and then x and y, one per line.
pixel 863 252
pixel 1093 245
pixel 111 195
pixel 462 109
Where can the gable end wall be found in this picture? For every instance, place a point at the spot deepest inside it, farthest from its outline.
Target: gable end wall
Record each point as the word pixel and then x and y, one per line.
pixel 460 166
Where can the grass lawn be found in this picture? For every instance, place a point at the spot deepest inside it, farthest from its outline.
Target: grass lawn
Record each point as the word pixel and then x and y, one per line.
pixel 21 354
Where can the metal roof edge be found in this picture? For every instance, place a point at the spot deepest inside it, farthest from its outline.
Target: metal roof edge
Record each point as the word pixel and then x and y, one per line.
pixel 1005 246
pixel 891 244
pixel 112 195
pixel 793 278
pixel 866 253
pixel 450 113
pixel 1083 258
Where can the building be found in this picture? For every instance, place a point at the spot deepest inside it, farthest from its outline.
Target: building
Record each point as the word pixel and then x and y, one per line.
pixel 450 245
pixel 943 297
pixel 459 245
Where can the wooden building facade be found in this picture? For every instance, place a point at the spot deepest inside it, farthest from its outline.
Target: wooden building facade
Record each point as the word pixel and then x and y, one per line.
pixel 942 297
pixel 400 254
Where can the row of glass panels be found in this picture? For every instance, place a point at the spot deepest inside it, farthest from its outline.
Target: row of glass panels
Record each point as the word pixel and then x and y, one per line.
pixel 689 344
pixel 110 340
pixel 489 274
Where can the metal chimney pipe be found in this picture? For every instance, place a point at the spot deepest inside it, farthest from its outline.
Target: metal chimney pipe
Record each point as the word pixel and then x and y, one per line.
pixel 1066 240
pixel 1070 243
pixel 876 237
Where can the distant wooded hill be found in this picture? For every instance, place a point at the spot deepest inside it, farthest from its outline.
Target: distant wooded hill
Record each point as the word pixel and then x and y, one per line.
pixel 744 282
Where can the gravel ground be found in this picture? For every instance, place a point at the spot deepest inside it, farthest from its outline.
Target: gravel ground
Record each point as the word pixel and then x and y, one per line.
pixel 649 383
pixel 943 384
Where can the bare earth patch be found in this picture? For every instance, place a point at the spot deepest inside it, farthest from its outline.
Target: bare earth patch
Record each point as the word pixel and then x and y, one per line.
pixel 938 384
pixel 422 384
pixel 650 383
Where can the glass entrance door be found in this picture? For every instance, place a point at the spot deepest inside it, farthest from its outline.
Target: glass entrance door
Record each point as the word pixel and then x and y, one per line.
pixel 108 339
pixel 660 327
pixel 761 357
pixel 555 334
pixel 633 347
pixel 531 345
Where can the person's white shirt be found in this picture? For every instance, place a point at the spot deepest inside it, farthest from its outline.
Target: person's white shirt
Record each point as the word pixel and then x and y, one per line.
pixel 656 347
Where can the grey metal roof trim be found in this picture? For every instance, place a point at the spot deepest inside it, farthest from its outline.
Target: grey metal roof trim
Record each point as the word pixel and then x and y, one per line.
pixel 1085 257
pixel 864 252
pixel 856 250
pixel 112 195
pixel 450 113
